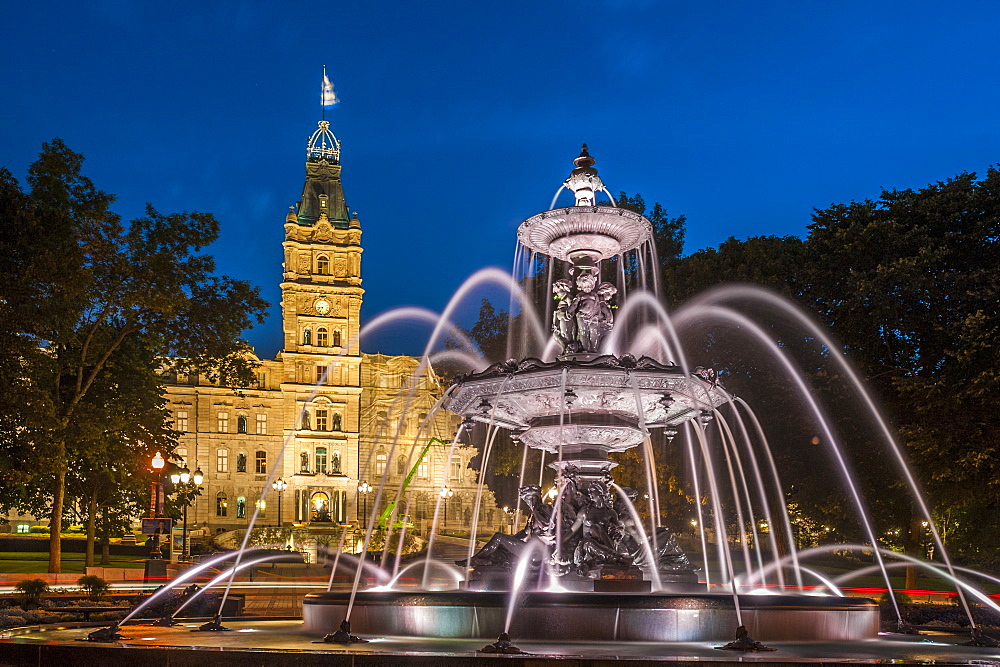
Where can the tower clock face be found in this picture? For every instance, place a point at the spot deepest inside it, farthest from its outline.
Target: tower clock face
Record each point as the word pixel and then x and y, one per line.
pixel 322 306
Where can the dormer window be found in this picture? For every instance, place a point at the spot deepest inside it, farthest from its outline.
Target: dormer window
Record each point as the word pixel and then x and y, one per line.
pixel 322 203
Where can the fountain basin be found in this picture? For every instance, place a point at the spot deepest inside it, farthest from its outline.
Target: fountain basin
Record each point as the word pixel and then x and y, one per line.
pixel 594 616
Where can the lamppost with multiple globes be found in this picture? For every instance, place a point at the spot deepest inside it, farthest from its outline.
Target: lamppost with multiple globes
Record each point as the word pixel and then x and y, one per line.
pixel 446 493
pixel 280 485
pixel 187 484
pixel 364 488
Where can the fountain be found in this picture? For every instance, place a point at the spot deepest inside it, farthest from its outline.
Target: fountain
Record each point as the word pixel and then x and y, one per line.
pixel 585 567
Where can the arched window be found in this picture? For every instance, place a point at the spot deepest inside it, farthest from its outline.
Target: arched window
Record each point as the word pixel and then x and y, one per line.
pixel 322 337
pixel 241 462
pixel 261 461
pixel 336 338
pixel 380 464
pixel 401 465
pixel 307 336
pixel 221 504
pixel 337 421
pixel 241 508
pixel 241 424
pixel 323 265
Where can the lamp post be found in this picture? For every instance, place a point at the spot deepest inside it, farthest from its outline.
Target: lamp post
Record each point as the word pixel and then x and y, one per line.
pixel 364 488
pixel 280 487
pixel 157 463
pixel 446 493
pixel 186 483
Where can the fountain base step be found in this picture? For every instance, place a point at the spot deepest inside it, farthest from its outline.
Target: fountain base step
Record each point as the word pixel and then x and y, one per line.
pixel 622 586
pixel 571 616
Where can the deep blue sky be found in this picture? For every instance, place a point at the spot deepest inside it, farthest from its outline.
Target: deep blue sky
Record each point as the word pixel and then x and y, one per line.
pixel 459 119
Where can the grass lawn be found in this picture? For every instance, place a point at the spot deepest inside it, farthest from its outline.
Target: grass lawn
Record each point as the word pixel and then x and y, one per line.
pixel 38 561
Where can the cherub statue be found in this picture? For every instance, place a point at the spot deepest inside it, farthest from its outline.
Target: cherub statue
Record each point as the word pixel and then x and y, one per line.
pixel 590 309
pixel 563 326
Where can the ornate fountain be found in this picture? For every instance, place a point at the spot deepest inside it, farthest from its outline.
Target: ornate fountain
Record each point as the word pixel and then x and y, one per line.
pixel 582 567
pixel 584 406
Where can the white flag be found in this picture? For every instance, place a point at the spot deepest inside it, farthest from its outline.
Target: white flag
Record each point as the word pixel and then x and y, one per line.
pixel 328 98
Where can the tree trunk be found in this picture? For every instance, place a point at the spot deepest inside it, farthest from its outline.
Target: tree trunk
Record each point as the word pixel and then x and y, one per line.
pixel 105 541
pixel 88 557
pixel 55 520
pixel 912 548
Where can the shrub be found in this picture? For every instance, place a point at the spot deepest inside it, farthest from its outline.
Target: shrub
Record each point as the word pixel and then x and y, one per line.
pixel 901 598
pixel 38 529
pixel 95 587
pixel 32 590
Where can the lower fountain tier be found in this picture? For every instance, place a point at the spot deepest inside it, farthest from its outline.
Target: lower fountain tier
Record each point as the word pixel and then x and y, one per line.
pixel 594 616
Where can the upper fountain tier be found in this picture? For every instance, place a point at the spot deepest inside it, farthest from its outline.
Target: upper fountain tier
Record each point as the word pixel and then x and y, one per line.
pixel 585 233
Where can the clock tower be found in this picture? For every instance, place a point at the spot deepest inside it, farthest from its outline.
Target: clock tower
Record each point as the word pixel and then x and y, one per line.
pixel 321 306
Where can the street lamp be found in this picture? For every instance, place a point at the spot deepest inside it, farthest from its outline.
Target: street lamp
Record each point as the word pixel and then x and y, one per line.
pixel 154 506
pixel 280 487
pixel 187 483
pixel 446 493
pixel 364 488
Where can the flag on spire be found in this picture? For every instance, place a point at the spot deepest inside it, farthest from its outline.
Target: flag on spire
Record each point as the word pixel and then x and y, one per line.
pixel 328 98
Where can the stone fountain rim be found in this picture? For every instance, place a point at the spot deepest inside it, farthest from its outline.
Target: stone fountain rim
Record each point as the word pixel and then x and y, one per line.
pixel 626 362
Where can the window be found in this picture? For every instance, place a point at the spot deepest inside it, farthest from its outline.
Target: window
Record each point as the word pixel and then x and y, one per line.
pixel 336 338
pixel 241 424
pixel 424 470
pixel 320 370
pixel 321 419
pixel 261 506
pixel 261 461
pixel 241 462
pixel 261 424
pixel 323 265
pixel 222 460
pixel 307 337
pixel 321 459
pixel 322 337
pixel 182 421
pixel 222 425
pixel 337 421
pixel 241 508
pixel 456 469
pixel 335 463
pixel 401 465
pixel 380 464
pixel 182 454
pixel 23 528
pixel 221 504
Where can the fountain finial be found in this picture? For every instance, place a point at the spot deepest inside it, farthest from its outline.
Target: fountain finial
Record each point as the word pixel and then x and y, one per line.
pixel 583 181
pixel 585 160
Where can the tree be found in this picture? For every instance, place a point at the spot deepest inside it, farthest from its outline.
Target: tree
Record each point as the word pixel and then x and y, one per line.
pixel 909 284
pixel 81 285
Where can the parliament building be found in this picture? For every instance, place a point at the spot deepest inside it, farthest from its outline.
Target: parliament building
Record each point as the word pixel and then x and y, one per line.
pixel 326 412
